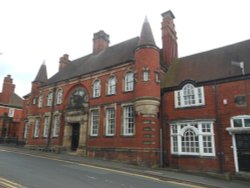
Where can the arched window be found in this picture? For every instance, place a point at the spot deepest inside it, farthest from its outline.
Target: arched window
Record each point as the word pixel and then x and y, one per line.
pixel 192 138
pixel 129 82
pixel 189 96
pixel 49 99
pixel 190 142
pixel 97 88
pixel 111 90
pixel 59 96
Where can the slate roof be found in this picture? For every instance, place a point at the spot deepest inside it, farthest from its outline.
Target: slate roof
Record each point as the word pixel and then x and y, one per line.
pixel 42 74
pixel 146 37
pixel 210 65
pixel 109 57
pixel 15 101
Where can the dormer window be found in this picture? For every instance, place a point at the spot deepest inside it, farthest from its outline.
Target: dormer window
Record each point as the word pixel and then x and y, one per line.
pixel 189 96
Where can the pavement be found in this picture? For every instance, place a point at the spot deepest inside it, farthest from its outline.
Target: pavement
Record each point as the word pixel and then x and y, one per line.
pixel 164 174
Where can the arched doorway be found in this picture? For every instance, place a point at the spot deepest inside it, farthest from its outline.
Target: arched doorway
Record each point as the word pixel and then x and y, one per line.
pixel 76 118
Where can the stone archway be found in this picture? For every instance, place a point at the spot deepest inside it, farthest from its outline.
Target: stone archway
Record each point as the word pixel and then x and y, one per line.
pixel 76 121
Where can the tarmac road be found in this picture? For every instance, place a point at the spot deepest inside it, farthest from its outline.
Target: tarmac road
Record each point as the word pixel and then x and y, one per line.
pixel 27 170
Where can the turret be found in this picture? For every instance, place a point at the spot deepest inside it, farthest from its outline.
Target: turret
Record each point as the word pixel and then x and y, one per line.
pixel 41 77
pixel 147 64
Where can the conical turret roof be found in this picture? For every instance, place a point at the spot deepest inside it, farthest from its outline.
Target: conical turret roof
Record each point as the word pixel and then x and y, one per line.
pixel 42 74
pixel 146 38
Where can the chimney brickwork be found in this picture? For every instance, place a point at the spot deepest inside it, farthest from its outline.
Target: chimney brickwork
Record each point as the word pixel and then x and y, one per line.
pixel 100 41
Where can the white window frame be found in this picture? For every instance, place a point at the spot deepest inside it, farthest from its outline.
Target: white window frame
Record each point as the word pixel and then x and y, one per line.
pixel 111 90
pixel 97 88
pixel 59 96
pixel 146 75
pixel 56 125
pixel 40 101
pixel 11 112
pixel 242 119
pixel 49 99
pixel 94 122
pixel 26 130
pixel 46 127
pixel 110 121
pixel 37 127
pixel 204 131
pixel 128 120
pixel 129 82
pixel 196 98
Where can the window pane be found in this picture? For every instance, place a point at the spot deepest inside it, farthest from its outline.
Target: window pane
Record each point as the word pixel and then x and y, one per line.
pixel 110 124
pixel 237 122
pixel 247 122
pixel 129 82
pixel 128 120
pixel 94 122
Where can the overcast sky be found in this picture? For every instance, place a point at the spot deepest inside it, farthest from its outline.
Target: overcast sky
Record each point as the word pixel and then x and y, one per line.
pixel 32 31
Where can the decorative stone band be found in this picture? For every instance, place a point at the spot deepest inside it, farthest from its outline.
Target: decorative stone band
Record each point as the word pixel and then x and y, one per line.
pixel 147 106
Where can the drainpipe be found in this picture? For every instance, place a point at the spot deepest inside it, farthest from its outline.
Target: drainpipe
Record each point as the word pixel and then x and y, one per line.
pixel 162 152
pixel 219 126
pixel 51 117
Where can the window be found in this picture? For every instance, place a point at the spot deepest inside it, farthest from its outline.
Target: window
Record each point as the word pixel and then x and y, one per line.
pixel 78 98
pixel 94 123
pixel 59 96
pixel 110 121
pixel 34 100
pixel 192 138
pixel 11 112
pixel 56 126
pixel 111 86
pixel 189 96
pixel 129 82
pixel 46 127
pixel 37 127
pixel 49 99
pixel 128 120
pixel 97 89
pixel 40 101
pixel 157 77
pixel 146 75
pixel 26 129
pixel 240 121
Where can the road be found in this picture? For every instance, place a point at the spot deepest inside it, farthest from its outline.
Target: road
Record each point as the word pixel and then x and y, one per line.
pixel 24 170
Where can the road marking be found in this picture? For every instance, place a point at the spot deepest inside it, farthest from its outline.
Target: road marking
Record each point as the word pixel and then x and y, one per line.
pixel 111 170
pixel 9 184
pixel 91 177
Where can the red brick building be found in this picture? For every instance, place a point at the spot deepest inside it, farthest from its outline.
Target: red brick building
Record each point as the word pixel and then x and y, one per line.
pixel 105 104
pixel 10 110
pixel 135 102
pixel 206 110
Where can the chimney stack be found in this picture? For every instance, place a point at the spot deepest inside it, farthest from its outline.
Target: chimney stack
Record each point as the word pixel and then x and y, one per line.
pixel 64 61
pixel 100 41
pixel 7 90
pixel 169 38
